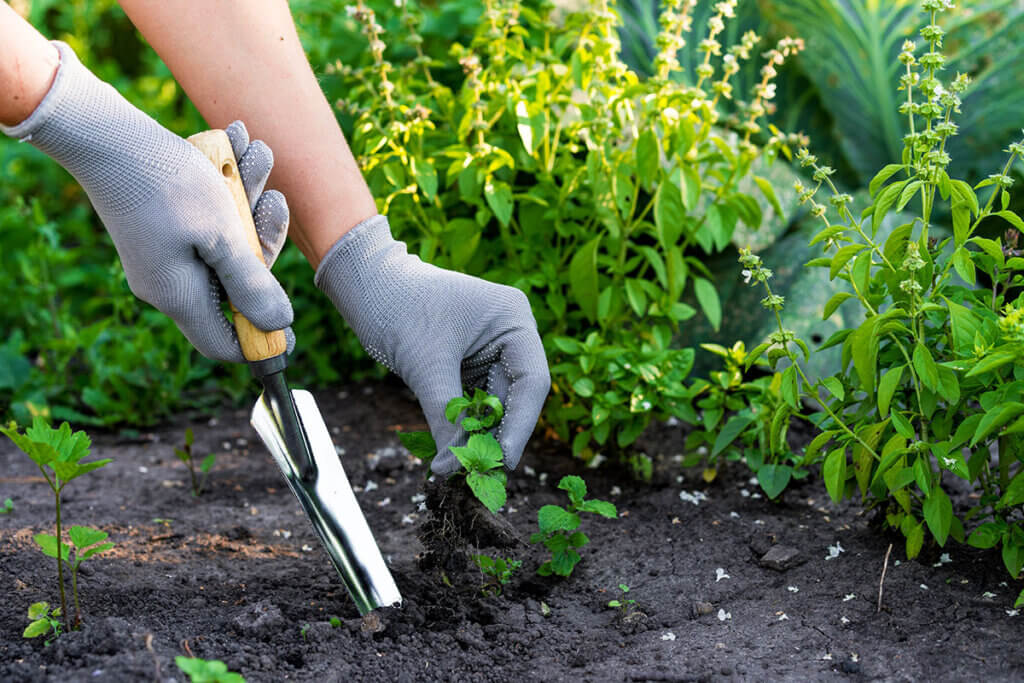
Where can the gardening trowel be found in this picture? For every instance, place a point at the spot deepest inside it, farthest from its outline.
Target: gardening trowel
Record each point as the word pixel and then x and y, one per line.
pixel 290 424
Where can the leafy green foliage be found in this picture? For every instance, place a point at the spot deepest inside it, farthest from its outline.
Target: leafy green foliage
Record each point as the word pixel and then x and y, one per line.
pixel 43 622
pixel 207 671
pixel 498 570
pixel 481 457
pixel 198 479
pixel 932 381
pixel 58 453
pixel 7 507
pixel 623 604
pixel 548 166
pixel 558 526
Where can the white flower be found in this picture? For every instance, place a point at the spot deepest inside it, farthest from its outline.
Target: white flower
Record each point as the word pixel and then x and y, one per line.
pixel 720 574
pixel 746 275
pixel 723 615
pixel 834 550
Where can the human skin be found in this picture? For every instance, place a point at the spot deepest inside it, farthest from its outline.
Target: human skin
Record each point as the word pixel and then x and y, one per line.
pixel 28 63
pixel 245 57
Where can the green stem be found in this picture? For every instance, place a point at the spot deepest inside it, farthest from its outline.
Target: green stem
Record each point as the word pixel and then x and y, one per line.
pixel 60 562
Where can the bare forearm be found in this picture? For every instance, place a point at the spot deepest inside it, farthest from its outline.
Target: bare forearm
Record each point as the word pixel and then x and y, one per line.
pixel 243 60
pixel 27 65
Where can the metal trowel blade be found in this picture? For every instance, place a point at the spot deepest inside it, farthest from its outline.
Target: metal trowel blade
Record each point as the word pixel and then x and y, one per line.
pixel 329 502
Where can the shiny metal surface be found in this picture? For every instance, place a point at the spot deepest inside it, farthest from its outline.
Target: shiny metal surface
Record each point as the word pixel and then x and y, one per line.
pixel 324 493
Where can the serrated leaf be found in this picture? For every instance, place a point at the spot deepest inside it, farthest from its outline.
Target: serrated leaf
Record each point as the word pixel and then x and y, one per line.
pixel 38 609
pixel 420 444
pixel 489 489
pixel 554 518
pixel 83 537
pixel 481 454
pixel 600 507
pixel 36 629
pixel 455 407
pixel 575 487
pixel 563 563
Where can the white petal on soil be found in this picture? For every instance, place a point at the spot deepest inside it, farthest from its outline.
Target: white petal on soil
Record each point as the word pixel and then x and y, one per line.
pixel 307 548
pixel 849 596
pixel 734 515
pixel 723 615
pixel 370 485
pixel 924 587
pixel 1012 612
pixel 668 636
pixel 844 621
pixel 834 550
pixel 409 519
pixel 694 497
pixel 827 657
pixel 616 491
pixel 783 617
pixel 720 574
pixel 988 595
pixel 418 498
pixel 383 503
pixel 529 471
pixel 943 559
pixel 745 493
pixel 142 468
pixel 792 589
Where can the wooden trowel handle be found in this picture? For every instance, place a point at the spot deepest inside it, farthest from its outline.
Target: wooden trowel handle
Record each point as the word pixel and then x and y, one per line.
pixel 256 344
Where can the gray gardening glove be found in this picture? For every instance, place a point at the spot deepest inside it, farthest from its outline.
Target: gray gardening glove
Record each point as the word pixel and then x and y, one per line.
pixel 166 207
pixel 440 331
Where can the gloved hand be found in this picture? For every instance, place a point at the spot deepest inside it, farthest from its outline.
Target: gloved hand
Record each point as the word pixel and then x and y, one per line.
pixel 166 207
pixel 439 331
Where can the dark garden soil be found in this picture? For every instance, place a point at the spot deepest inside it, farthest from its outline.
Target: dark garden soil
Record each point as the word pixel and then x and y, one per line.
pixel 238 575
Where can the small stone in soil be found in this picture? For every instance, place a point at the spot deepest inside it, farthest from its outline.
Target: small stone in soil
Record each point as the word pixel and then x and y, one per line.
pixel 781 557
pixel 700 608
pixel 372 623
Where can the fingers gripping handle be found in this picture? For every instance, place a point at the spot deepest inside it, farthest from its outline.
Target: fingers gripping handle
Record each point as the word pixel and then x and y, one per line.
pixel 256 344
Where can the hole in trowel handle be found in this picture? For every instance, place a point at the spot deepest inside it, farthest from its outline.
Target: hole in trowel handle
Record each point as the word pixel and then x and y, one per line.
pixel 227 169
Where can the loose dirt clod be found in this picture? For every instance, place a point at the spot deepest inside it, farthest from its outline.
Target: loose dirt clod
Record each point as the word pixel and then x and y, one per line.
pixel 455 522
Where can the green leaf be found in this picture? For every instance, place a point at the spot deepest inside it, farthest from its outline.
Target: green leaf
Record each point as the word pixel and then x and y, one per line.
pixel 48 544
pixel 583 278
pixel 636 297
pixel 1014 494
pixel 863 344
pixel 488 488
pixel 924 364
pixel 207 464
pixel 915 539
pixel 455 407
pixel 101 548
pixel 499 198
pixel 961 226
pixel 562 563
pixel 575 487
pixel 647 156
pixel 600 507
pixel 668 213
pixel 420 444
pixel 992 248
pixel 1013 557
pixel 985 536
pixel 769 193
pixel 886 199
pixel 38 610
pixel 938 513
pixel 584 386
pixel 908 193
pixel 733 428
pixel 842 257
pixel 774 479
pixel 887 386
pixel 36 629
pixel 83 537
pixel 887 172
pixel 964 325
pixel 995 418
pixel 833 303
pixel 1011 218
pixel 834 472
pixel 991 362
pixel 481 454
pixel 426 177
pixel 789 388
pixel 707 297
pixel 835 387
pixel 554 518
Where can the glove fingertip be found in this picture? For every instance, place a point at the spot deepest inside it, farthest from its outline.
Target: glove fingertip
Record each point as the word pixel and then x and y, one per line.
pixel 239 137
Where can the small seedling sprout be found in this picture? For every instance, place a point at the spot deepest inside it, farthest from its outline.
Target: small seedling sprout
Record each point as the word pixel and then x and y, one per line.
pixel 207 671
pixel 558 526
pixel 8 507
pixel 185 455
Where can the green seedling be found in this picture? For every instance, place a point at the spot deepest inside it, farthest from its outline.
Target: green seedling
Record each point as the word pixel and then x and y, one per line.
pixel 498 571
pixel 558 526
pixel 304 630
pixel 58 453
pixel 335 622
pixel 43 622
pixel 185 455
pixel 8 507
pixel 163 521
pixel 624 605
pixel 207 671
pixel 481 457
